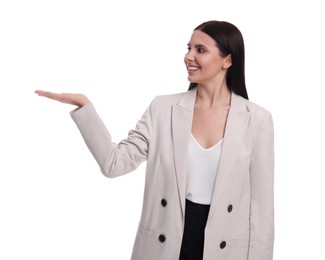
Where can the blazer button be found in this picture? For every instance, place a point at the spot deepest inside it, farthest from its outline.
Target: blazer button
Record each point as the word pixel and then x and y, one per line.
pixel 230 207
pixel 162 238
pixel 164 202
pixel 223 244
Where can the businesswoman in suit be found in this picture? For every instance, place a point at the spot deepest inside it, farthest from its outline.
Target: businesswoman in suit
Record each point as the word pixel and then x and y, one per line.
pixel 210 158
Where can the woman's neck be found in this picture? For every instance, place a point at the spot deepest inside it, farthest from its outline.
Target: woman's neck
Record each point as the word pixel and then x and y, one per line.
pixel 211 96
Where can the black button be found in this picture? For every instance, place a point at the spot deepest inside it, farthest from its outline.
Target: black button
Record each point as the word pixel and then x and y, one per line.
pixel 162 238
pixel 164 202
pixel 230 208
pixel 223 244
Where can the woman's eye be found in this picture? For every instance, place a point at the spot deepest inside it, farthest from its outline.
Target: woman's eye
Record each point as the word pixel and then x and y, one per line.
pixel 201 50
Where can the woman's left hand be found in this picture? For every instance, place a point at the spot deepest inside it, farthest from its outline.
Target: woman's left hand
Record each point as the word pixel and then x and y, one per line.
pixel 79 100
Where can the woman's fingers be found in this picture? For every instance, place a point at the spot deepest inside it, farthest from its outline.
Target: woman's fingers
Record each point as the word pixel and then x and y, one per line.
pixel 68 98
pixel 50 95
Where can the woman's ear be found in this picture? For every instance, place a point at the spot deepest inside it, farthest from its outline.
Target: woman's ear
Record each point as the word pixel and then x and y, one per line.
pixel 227 62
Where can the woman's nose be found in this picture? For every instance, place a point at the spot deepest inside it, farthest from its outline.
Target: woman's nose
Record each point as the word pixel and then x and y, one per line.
pixel 189 57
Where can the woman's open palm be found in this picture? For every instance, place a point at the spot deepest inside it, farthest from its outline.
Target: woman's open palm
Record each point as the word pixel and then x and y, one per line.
pixel 79 100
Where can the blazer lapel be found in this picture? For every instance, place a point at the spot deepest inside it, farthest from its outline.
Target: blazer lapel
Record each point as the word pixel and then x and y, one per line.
pixel 182 115
pixel 235 128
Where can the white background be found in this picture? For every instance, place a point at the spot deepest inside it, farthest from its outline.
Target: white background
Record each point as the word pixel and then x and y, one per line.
pixel 54 202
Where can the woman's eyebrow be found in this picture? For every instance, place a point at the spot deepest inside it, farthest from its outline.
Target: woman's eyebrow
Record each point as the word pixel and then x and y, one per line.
pixel 197 45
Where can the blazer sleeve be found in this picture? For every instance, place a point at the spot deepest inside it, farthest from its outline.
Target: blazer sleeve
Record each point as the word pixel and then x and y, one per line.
pixel 114 159
pixel 262 193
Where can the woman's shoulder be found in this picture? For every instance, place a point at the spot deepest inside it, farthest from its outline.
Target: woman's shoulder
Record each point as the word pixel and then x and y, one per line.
pixel 173 97
pixel 256 110
pixel 169 99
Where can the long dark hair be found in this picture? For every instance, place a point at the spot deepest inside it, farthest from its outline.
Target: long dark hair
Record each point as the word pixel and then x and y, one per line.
pixel 229 40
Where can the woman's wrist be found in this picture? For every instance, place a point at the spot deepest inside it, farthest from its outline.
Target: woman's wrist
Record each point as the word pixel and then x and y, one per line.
pixel 83 101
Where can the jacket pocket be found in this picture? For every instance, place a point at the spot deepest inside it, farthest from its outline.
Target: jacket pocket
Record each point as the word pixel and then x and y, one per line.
pixel 151 236
pixel 238 249
pixel 149 244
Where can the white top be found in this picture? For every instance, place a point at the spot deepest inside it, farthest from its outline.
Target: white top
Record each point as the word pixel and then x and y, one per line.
pixel 202 171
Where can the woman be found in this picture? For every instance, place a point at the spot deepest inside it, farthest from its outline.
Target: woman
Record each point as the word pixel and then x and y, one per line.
pixel 210 158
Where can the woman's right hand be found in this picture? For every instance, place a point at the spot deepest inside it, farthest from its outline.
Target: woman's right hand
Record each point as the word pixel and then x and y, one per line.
pixel 79 100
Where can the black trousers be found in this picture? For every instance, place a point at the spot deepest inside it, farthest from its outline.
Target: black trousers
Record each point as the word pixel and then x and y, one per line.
pixel 196 216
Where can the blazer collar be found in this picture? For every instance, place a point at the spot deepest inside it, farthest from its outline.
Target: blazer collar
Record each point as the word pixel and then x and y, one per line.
pixel 182 116
pixel 187 100
pixel 237 104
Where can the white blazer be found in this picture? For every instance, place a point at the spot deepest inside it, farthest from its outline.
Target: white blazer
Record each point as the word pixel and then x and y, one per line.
pixel 240 224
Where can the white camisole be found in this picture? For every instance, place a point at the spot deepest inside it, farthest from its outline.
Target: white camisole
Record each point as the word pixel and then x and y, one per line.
pixel 202 171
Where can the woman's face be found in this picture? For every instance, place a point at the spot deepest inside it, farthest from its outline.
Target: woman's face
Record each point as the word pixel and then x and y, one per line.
pixel 203 61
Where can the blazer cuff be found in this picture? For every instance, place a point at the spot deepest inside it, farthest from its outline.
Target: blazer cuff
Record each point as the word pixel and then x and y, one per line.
pixel 82 112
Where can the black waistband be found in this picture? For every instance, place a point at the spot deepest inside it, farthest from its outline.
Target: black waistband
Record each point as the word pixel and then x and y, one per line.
pixel 197 206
